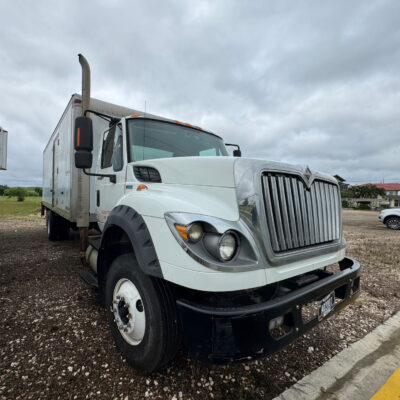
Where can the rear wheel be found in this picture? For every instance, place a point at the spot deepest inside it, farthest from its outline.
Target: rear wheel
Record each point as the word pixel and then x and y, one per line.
pixel 142 315
pixel 51 222
pixel 393 223
pixel 57 227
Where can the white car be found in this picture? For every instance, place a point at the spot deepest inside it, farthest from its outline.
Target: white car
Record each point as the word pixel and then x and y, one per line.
pixel 391 218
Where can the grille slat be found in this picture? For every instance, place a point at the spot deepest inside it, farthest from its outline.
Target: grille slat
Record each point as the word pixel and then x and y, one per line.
pixel 310 217
pixel 298 216
pixel 297 211
pixel 284 210
pixel 277 212
pixel 304 215
pixel 292 216
pixel 270 216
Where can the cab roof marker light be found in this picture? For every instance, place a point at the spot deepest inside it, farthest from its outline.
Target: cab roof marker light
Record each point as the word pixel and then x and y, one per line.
pixel 178 122
pixel 135 115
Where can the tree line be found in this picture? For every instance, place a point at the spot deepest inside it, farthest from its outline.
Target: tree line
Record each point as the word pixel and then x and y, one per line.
pixel 363 192
pixel 19 192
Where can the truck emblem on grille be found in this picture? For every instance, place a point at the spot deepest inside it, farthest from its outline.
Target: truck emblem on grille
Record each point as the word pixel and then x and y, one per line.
pixel 307 175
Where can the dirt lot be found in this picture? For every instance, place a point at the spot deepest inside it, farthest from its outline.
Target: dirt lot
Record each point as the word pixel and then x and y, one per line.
pixel 55 343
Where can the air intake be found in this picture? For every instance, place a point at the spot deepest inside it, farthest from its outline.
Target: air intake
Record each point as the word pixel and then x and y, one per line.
pixel 146 174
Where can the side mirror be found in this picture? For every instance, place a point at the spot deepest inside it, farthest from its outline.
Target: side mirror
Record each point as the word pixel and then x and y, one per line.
pixel 83 142
pixel 237 152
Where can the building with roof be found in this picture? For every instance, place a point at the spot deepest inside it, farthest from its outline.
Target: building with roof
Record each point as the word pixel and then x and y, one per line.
pixel 392 190
pixel 341 182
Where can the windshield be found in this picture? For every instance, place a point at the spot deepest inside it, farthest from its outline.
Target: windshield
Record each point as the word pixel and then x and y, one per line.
pixel 148 139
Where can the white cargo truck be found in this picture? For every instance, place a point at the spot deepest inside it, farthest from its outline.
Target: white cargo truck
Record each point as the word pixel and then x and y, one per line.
pixel 225 256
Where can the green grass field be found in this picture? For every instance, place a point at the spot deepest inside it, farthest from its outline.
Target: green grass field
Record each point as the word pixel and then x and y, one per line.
pixel 27 209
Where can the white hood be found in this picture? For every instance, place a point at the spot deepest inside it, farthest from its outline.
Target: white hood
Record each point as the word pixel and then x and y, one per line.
pixel 199 171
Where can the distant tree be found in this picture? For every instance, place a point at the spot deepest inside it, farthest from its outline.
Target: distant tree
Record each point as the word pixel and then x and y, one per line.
pixel 363 192
pixel 347 194
pixel 2 189
pixel 345 204
pixel 18 192
pixel 38 190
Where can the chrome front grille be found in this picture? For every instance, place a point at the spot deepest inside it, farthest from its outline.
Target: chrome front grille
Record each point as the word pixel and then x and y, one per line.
pixel 298 216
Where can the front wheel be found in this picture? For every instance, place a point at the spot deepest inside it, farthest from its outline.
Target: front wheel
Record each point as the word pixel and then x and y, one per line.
pixel 142 315
pixel 393 223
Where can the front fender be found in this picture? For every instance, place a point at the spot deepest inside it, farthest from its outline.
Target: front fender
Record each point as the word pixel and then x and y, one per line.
pixel 128 220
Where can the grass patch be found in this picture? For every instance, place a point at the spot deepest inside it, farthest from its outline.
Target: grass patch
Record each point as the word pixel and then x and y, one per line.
pixel 27 209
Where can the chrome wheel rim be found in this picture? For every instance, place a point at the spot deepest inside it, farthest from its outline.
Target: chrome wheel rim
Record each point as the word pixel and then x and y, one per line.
pixel 394 223
pixel 128 310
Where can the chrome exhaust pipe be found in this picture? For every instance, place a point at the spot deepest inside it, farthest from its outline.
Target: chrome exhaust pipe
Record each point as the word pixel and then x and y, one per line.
pixel 82 220
pixel 85 82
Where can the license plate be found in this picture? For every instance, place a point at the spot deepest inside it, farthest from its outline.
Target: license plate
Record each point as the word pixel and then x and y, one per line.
pixel 326 305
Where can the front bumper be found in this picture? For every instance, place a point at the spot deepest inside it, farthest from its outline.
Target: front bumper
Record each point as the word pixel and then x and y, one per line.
pixel 223 335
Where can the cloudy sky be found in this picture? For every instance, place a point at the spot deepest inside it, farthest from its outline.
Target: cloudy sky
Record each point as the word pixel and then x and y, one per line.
pixel 308 82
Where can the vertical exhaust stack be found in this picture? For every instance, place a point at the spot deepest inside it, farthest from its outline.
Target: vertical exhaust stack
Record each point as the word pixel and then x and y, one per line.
pixel 83 208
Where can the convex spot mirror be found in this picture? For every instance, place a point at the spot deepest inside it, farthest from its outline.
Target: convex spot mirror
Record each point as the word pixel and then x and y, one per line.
pixel 83 142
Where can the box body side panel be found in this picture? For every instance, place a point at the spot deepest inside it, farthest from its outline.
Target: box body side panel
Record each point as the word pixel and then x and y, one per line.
pixel 3 149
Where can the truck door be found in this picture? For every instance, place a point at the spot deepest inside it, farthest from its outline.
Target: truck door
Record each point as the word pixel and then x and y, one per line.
pixel 112 160
pixel 56 147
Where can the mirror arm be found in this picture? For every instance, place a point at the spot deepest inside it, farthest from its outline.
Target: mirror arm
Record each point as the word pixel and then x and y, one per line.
pixel 232 144
pixel 237 149
pixel 113 178
pixel 112 120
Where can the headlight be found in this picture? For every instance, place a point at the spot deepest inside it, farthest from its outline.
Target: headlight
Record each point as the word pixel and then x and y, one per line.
pixel 223 247
pixel 213 242
pixel 195 232
pixel 227 246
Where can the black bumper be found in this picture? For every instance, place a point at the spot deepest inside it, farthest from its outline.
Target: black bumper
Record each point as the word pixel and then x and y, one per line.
pixel 223 335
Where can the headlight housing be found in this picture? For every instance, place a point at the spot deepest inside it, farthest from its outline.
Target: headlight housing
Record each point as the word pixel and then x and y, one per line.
pixel 213 242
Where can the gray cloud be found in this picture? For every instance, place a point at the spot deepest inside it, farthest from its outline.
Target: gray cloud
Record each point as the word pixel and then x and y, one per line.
pixel 308 83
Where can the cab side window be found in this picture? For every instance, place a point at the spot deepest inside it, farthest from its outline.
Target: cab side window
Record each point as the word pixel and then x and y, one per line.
pixel 118 155
pixel 112 151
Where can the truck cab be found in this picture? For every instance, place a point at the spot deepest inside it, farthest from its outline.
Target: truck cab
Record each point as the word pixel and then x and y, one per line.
pixel 224 255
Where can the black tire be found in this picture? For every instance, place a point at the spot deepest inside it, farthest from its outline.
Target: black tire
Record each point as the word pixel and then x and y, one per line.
pixel 57 227
pixel 52 227
pixel 63 228
pixel 393 223
pixel 162 337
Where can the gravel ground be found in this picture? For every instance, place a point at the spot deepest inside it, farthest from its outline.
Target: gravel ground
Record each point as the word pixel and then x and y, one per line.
pixel 55 343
